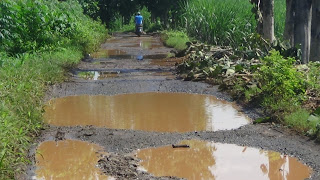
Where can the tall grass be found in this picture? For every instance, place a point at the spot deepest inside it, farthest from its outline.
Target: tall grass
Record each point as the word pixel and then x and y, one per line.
pixel 219 22
pixel 225 22
pixel 38 39
pixel 279 17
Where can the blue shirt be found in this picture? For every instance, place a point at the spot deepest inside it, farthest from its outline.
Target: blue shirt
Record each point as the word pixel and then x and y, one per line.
pixel 138 19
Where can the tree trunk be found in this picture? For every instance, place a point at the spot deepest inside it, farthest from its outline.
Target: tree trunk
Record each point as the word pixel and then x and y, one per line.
pixel 268 20
pixel 264 10
pixel 315 31
pixel 289 26
pixel 302 27
pixel 259 16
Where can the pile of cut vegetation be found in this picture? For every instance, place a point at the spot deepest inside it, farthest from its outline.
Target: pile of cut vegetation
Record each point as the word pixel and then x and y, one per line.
pixel 289 92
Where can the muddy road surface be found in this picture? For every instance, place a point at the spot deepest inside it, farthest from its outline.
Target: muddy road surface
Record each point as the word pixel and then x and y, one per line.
pixel 124 114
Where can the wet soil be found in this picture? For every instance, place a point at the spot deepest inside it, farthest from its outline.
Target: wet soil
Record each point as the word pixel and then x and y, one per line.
pixel 144 76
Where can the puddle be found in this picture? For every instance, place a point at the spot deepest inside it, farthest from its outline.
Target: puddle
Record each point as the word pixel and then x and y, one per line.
pixel 161 112
pixel 97 75
pixel 166 62
pixel 104 53
pixel 156 56
pixel 206 160
pixel 68 160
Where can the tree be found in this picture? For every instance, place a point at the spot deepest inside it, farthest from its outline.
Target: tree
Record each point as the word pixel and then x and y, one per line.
pixel 298 26
pixel 264 10
pixel 289 26
pixel 302 27
pixel 315 31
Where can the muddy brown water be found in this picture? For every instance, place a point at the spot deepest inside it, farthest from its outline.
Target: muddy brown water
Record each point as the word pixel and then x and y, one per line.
pixel 68 159
pixel 106 53
pixel 207 160
pixel 161 112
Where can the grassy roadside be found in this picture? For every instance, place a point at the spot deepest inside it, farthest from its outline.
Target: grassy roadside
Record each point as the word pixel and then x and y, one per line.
pixel 23 83
pixel 39 41
pixel 175 39
pixel 288 92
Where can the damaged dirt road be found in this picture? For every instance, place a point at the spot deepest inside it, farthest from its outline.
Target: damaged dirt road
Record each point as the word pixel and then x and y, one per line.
pixel 141 105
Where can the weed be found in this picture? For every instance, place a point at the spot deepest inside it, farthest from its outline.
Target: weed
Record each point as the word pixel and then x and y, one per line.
pixel 175 39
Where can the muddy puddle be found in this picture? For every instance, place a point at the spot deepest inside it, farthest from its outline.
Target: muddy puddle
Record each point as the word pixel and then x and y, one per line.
pixel 144 43
pixel 68 159
pixel 161 112
pixel 108 53
pixel 97 75
pixel 166 62
pixel 207 160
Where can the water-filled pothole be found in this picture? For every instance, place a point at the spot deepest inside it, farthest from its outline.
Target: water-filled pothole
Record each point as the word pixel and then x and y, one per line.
pixel 161 112
pixel 108 53
pixel 97 75
pixel 68 159
pixel 207 160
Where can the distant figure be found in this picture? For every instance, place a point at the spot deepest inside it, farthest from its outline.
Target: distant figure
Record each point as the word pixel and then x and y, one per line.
pixel 138 20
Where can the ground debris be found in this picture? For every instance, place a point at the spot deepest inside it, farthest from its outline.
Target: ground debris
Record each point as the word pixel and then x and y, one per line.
pixel 124 167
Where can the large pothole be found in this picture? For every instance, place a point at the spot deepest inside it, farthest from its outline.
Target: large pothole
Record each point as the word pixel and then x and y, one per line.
pixel 207 160
pixel 159 112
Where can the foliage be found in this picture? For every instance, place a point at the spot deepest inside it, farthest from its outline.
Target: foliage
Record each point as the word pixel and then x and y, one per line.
pixel 303 121
pixel 286 91
pixel 38 39
pixel 280 82
pixel 175 39
pixel 29 25
pixel 90 8
pixel 219 22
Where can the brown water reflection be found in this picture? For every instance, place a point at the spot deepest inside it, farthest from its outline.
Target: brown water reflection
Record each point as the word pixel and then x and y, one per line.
pixel 108 53
pixel 68 160
pixel 162 112
pixel 205 160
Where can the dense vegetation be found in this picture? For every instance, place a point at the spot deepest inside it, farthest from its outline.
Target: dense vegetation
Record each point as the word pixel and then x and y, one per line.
pixel 254 71
pixel 38 40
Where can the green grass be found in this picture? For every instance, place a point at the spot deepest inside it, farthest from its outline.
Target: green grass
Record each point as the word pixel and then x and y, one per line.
pixel 39 40
pixel 299 120
pixel 279 18
pixel 175 39
pixel 225 22
pixel 24 81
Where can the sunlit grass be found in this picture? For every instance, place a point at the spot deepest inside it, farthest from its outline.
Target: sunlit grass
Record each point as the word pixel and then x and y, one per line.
pixel 175 39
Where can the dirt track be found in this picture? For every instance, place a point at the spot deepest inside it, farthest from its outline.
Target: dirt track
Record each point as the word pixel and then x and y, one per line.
pixel 155 74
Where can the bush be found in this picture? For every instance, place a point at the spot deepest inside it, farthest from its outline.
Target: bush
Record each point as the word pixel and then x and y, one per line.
pixel 282 87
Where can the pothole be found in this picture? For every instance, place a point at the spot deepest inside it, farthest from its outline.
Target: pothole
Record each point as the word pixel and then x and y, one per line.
pixel 104 53
pixel 97 75
pixel 207 160
pixel 160 112
pixel 69 159
pixel 166 62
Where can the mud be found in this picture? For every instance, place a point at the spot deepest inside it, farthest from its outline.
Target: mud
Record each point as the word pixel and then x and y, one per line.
pixel 160 112
pixel 140 78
